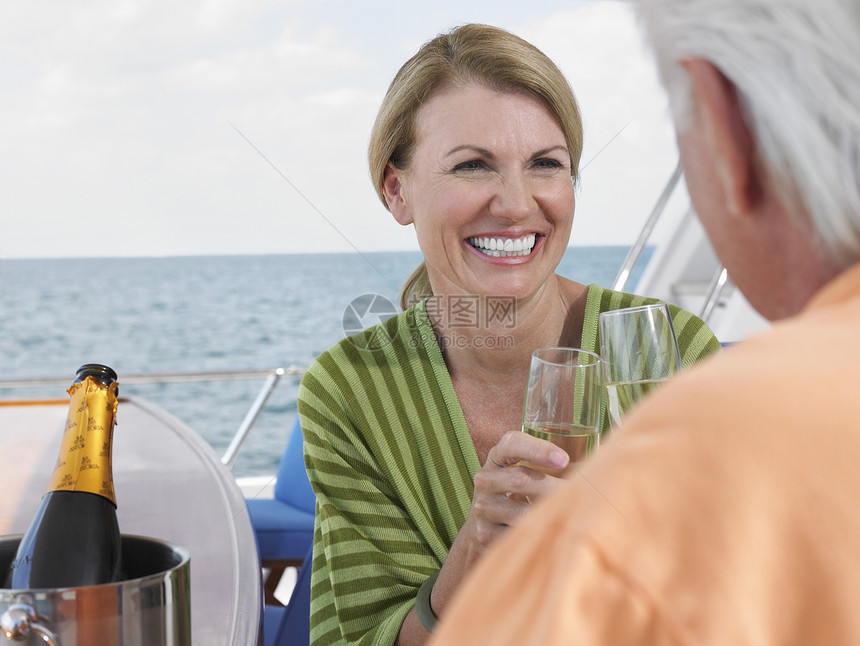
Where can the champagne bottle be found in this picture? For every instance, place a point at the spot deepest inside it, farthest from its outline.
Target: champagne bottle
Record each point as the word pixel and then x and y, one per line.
pixel 74 539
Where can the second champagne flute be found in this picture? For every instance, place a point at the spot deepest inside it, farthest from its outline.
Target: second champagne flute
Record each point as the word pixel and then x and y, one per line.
pixel 562 403
pixel 639 352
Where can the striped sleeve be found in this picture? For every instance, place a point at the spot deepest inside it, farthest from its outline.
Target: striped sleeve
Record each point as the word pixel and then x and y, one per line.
pixel 392 488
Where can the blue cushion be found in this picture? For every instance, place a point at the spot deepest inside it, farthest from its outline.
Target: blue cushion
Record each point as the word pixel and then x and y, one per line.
pixel 272 616
pixel 292 485
pixel 284 526
pixel 283 532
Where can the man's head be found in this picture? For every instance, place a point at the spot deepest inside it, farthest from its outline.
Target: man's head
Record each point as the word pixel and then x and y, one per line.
pixel 766 100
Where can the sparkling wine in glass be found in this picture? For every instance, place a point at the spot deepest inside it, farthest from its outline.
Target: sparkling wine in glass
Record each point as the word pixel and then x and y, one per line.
pixel 562 403
pixel 639 352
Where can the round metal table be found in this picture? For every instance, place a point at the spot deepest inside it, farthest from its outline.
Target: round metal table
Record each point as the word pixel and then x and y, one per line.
pixel 169 485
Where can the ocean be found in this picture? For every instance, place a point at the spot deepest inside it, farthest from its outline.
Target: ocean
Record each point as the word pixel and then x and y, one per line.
pixel 206 313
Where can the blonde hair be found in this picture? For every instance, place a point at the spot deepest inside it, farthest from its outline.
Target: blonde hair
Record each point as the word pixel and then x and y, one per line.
pixel 471 53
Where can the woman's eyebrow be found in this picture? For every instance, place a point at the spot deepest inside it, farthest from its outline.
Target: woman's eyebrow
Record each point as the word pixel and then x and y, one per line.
pixel 541 153
pixel 477 149
pixel 488 154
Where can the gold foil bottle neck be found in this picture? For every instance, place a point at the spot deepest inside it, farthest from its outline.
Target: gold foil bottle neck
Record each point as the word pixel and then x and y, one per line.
pixel 84 463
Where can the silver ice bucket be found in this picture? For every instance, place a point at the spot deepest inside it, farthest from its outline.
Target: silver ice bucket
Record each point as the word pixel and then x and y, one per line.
pixel 151 606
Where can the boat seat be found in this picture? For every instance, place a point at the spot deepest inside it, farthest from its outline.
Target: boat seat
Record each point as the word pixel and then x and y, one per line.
pixel 284 525
pixel 290 625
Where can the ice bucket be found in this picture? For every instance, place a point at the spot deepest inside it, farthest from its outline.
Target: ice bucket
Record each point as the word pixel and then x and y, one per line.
pixel 151 606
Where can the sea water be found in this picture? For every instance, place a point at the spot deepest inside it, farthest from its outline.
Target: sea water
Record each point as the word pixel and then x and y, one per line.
pixel 206 313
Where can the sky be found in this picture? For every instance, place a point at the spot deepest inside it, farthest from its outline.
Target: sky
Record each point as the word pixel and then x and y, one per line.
pixel 158 128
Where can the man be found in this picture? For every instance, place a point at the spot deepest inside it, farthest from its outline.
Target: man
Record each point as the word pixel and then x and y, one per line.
pixel 726 510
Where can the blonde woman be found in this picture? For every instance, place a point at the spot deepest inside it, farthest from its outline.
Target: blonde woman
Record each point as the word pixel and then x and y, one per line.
pixel 411 429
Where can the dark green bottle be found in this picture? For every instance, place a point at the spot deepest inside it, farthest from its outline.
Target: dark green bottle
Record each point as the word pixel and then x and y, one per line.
pixel 74 539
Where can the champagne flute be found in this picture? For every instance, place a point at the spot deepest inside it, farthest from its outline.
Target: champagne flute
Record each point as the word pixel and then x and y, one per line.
pixel 562 403
pixel 639 352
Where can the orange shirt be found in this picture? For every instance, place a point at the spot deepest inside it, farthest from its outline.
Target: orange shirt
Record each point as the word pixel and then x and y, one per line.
pixel 725 511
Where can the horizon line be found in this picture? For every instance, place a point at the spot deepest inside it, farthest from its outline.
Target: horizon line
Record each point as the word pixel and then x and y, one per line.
pixel 256 254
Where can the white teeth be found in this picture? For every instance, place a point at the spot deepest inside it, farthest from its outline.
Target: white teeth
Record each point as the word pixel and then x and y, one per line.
pixel 504 247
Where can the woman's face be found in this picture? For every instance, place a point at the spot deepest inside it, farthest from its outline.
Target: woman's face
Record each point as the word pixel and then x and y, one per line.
pixel 489 192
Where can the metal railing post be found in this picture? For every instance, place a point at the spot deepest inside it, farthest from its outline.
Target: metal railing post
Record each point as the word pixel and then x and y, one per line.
pixel 232 452
pixel 715 290
pixel 650 223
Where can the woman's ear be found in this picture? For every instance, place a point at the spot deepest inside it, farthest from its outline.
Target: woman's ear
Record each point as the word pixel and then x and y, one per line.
pixel 392 189
pixel 726 133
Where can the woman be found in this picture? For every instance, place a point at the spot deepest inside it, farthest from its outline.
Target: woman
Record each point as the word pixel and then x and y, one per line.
pixel 411 428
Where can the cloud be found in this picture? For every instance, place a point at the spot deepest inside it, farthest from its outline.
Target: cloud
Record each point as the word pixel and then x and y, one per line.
pixel 117 120
pixel 294 62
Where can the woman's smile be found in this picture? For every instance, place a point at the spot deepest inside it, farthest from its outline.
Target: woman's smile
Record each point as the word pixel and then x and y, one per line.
pixel 504 247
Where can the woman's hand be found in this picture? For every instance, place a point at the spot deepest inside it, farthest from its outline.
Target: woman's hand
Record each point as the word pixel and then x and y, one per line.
pixel 513 476
pixel 504 489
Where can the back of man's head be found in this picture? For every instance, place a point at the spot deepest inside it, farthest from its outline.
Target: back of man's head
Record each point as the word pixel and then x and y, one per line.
pixel 796 67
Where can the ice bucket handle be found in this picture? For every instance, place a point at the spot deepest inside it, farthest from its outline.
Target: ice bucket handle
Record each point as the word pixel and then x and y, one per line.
pixel 19 621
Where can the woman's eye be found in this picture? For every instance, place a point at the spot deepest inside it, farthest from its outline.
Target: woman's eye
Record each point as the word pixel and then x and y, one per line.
pixel 547 163
pixel 473 164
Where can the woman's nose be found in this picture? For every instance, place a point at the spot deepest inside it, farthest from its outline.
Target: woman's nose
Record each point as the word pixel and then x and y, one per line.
pixel 513 199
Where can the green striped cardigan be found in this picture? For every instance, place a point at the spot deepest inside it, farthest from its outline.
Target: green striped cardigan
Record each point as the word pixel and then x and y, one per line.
pixel 392 463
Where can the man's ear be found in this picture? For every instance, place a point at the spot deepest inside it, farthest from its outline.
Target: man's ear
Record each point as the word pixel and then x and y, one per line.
pixel 725 131
pixel 392 189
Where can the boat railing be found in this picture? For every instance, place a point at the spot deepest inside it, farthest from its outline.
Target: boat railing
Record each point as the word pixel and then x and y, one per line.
pixel 714 293
pixel 272 377
pixel 719 281
pixel 636 250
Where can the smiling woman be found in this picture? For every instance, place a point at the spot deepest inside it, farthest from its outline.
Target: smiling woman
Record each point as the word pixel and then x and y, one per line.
pixel 412 441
